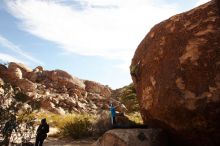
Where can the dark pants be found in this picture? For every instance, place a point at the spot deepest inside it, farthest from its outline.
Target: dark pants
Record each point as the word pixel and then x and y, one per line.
pixel 40 139
pixel 113 121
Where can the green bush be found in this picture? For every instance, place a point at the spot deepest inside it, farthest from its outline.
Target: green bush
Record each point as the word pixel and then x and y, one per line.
pixel 76 126
pixel 127 95
pixel 135 117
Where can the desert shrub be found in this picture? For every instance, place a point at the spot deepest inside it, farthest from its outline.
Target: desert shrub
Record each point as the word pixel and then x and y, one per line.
pixel 135 117
pixel 127 96
pixel 54 120
pixel 76 126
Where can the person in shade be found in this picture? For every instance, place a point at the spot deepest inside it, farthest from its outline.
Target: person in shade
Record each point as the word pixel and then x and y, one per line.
pixel 113 114
pixel 10 125
pixel 42 131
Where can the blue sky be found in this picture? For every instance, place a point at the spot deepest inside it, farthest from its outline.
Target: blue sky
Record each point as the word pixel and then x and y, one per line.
pixel 90 39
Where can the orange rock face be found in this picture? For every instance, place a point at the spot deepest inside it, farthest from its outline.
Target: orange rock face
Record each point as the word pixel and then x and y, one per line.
pixel 178 78
pixel 21 66
pixel 97 88
pixel 26 85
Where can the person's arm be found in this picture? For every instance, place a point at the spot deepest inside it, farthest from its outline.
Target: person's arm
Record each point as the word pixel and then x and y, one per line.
pixel 5 128
pixel 48 129
pixel 38 129
pixel 15 126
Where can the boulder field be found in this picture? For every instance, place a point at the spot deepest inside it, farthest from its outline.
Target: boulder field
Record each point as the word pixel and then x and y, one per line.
pixel 56 91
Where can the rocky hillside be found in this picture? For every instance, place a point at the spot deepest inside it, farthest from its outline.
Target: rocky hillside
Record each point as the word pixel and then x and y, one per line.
pixel 176 72
pixel 56 91
pixel 127 96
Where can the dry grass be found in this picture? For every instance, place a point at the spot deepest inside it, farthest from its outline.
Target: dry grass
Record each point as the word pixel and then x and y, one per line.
pixel 135 117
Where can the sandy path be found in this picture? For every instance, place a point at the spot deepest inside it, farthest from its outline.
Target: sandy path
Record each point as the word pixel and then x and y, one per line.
pixel 67 142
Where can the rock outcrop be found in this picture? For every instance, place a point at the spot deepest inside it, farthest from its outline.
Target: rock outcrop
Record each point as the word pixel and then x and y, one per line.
pixel 3 71
pixel 1 82
pixel 176 72
pixel 14 74
pixel 97 88
pixel 56 91
pixel 24 69
pixel 133 137
pixel 25 85
pixel 62 78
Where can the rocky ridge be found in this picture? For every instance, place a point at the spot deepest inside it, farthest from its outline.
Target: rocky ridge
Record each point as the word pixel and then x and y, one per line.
pixel 56 91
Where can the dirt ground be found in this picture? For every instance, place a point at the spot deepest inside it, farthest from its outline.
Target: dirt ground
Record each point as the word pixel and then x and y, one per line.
pixel 67 142
pixel 52 141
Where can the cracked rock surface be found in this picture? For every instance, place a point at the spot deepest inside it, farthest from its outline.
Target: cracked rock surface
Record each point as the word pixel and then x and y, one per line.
pixel 178 79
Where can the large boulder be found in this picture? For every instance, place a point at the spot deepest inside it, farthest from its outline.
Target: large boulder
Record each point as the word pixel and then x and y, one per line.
pixel 2 91
pixel 97 88
pixel 14 74
pixel 133 137
pixel 1 82
pixel 3 71
pixel 63 78
pixel 33 76
pixel 17 71
pixel 176 72
pixel 26 85
pixel 39 69
pixel 24 69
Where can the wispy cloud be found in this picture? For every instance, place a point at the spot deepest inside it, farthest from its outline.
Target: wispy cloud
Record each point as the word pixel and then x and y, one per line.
pixel 9 45
pixel 8 58
pixel 106 28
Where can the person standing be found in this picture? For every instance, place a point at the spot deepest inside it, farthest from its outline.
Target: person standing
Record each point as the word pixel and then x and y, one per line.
pixel 113 114
pixel 10 125
pixel 42 131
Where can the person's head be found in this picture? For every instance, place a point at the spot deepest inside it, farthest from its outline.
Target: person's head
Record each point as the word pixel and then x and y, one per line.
pixel 43 121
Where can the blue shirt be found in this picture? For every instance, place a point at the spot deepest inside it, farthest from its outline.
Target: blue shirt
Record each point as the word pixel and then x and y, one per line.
pixel 112 109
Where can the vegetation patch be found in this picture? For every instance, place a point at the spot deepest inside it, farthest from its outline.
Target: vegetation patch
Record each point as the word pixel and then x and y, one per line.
pixel 76 126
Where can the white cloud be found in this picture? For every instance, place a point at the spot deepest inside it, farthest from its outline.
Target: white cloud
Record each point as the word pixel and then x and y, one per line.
pixel 107 28
pixel 9 58
pixel 9 45
pixel 200 2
